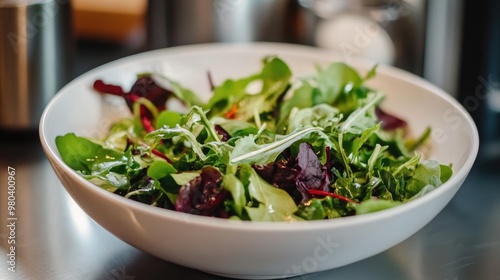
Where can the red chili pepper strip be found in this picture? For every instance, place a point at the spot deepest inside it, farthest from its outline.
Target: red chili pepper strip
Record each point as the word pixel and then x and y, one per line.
pixel 334 195
pixel 146 123
pixel 231 114
pixel 102 87
pixel 162 155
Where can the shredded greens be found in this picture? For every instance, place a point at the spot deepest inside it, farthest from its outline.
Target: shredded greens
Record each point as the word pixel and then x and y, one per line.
pixel 319 147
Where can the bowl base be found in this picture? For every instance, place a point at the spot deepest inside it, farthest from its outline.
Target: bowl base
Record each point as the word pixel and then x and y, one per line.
pixel 241 276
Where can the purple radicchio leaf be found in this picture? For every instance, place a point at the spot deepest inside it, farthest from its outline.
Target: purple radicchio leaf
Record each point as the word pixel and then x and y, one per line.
pixel 389 122
pixel 281 173
pixel 313 175
pixel 222 132
pixel 203 195
pixel 144 87
pixel 303 173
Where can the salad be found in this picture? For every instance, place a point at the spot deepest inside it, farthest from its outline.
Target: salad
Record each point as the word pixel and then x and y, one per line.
pixel 266 147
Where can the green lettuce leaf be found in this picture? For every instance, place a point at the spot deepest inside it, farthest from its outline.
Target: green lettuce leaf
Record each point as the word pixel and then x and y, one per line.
pixel 321 115
pixel 275 79
pixel 373 205
pixel 318 209
pixel 427 173
pixel 237 190
pixel 335 80
pixel 160 169
pixel 94 161
pixel 274 204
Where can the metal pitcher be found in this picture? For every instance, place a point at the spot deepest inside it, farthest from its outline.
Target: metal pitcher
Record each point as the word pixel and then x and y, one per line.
pixel 35 56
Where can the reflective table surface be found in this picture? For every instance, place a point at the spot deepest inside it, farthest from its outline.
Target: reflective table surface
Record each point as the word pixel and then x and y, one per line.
pixel 54 239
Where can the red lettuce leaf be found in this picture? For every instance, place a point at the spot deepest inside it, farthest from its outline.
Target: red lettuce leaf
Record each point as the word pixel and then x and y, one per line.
pixel 300 174
pixel 203 195
pixel 389 122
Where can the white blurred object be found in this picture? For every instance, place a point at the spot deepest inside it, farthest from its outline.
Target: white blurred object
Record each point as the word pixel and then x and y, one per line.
pixel 355 35
pixel 386 31
pixel 325 8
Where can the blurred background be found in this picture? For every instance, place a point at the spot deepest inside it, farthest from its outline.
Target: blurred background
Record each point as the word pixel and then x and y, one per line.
pixel 455 44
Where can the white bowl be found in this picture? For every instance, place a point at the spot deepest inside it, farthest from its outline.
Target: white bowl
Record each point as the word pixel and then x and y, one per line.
pixel 255 249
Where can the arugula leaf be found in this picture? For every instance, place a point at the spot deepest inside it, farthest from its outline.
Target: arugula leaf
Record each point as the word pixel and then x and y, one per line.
pixel 410 164
pixel 394 140
pixel 391 184
pixel 169 133
pixel 338 85
pixel 376 155
pixel 362 139
pixel 235 127
pixel 195 116
pixel 313 210
pixel 247 151
pixel 321 115
pixel 357 122
pixel 349 188
pixel 324 208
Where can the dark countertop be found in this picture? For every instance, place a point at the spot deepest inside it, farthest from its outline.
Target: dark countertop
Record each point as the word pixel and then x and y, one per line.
pixel 56 240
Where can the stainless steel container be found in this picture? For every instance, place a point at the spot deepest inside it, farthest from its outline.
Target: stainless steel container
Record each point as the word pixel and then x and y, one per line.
pixel 180 22
pixel 35 57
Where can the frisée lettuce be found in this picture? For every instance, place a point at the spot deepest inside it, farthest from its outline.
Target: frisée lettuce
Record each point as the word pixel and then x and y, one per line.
pixel 312 148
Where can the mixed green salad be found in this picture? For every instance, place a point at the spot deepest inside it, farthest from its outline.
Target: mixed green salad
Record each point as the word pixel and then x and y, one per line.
pixel 311 148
